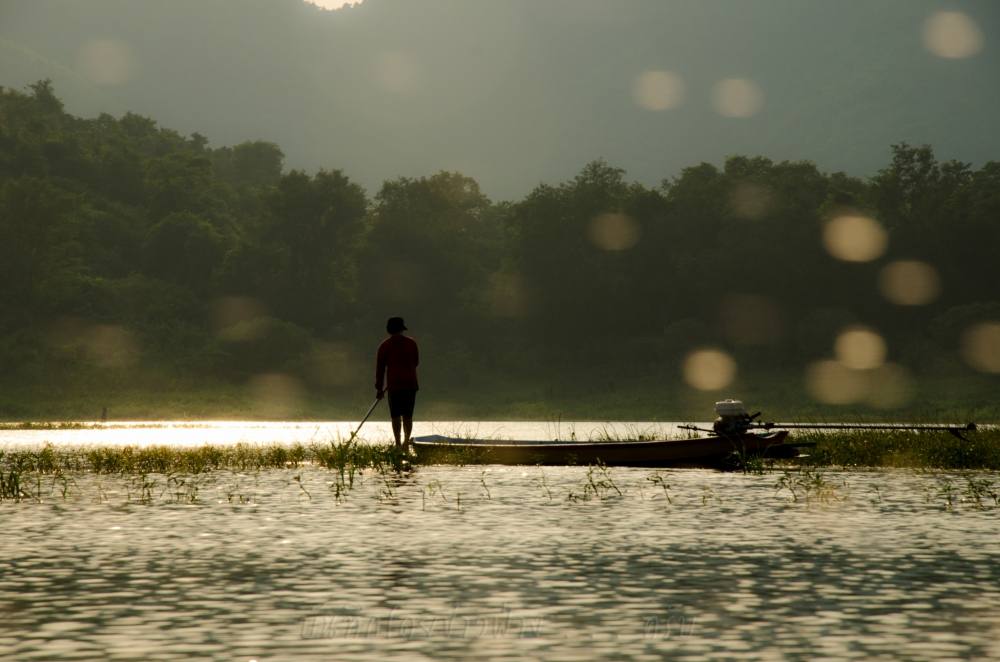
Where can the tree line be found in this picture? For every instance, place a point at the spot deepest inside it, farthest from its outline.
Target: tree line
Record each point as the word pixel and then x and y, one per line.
pixel 127 248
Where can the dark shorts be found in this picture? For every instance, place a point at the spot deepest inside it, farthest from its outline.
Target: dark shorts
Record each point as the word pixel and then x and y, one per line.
pixel 401 403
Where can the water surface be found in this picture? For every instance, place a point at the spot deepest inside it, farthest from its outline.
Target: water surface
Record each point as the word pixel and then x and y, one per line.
pixel 184 433
pixel 501 563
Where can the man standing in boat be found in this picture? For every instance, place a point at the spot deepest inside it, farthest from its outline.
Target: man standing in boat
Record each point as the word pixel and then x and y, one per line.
pixel 396 374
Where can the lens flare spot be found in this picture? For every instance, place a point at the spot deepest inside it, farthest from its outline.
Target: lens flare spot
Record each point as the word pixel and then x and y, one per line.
pixel 107 62
pixel 276 395
pixel 981 346
pixel 855 238
pixel 750 201
pixel 859 348
pixel 229 311
pixel 333 364
pixel 952 34
pixel 111 346
pixel 890 386
pixel 833 383
pixel 613 232
pixel 247 331
pixel 909 283
pixel 507 296
pixel 709 369
pixel 737 97
pixel 397 73
pixel 66 334
pixel 658 90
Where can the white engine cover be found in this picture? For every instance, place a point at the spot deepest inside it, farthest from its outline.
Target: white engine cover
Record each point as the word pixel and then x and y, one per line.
pixel 727 408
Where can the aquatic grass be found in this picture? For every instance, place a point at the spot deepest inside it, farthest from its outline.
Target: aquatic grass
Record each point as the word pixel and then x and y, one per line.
pixel 599 484
pixel 349 456
pixel 978 492
pixel 543 482
pixel 657 478
pixel 980 449
pixel 630 432
pixel 809 485
pixel 12 471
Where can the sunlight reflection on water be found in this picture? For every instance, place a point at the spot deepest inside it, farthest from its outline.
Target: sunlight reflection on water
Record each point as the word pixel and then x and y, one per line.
pixel 500 563
pixel 181 433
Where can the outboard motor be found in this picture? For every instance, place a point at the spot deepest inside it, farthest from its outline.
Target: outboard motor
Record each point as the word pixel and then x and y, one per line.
pixel 733 418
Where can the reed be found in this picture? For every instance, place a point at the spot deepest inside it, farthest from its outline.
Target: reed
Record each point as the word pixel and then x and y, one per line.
pixel 598 484
pixel 809 485
pixel 903 448
pixel 346 457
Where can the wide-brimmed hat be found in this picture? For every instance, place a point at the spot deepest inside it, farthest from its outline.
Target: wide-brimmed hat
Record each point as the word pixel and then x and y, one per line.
pixel 395 325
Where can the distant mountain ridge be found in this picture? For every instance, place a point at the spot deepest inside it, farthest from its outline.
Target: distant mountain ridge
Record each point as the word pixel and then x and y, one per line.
pixel 517 92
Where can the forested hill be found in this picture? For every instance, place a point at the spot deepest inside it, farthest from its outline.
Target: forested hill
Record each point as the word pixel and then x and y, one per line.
pixel 135 259
pixel 516 92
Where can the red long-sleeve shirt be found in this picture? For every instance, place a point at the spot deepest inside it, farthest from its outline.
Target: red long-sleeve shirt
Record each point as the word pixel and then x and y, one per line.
pixel 396 363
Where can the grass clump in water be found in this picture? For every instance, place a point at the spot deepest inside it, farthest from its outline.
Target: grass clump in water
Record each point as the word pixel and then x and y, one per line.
pixel 135 460
pixel 979 449
pixel 599 485
pixel 808 485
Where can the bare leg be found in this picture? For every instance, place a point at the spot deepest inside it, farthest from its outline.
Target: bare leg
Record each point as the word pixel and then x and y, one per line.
pixel 407 428
pixel 396 423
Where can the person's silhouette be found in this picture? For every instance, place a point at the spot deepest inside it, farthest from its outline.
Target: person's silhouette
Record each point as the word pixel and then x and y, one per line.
pixel 396 374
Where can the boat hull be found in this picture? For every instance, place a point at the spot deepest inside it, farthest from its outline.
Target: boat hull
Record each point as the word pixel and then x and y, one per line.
pixel 716 451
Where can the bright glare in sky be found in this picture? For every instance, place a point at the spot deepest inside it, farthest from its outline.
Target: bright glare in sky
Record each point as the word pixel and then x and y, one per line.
pixel 332 4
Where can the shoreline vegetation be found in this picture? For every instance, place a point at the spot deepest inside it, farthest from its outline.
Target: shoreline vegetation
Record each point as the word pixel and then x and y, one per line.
pixel 159 276
pixel 842 449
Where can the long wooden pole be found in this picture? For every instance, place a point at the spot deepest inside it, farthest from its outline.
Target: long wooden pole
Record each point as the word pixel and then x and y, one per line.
pixel 370 410
pixel 864 426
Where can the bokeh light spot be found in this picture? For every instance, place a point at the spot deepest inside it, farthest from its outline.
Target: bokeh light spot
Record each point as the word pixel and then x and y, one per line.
pixel 613 232
pixel 854 238
pixel 507 295
pixel 833 383
pixel 859 348
pixel 658 90
pixel 952 34
pixel 333 364
pixel 397 73
pixel 909 282
pixel 737 97
pixel 107 61
pixel 111 346
pixel 890 386
pixel 709 369
pixel 229 311
pixel 246 331
pixel 981 346
pixel 750 201
pixel 276 395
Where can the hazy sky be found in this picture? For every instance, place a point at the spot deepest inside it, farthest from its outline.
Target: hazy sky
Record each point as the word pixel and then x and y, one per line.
pixel 518 92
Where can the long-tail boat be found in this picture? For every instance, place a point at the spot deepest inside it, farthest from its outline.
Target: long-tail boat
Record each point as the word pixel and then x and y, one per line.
pixel 734 438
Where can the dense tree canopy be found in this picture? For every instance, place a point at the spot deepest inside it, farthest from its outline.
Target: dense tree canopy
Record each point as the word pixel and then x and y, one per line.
pixel 218 262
